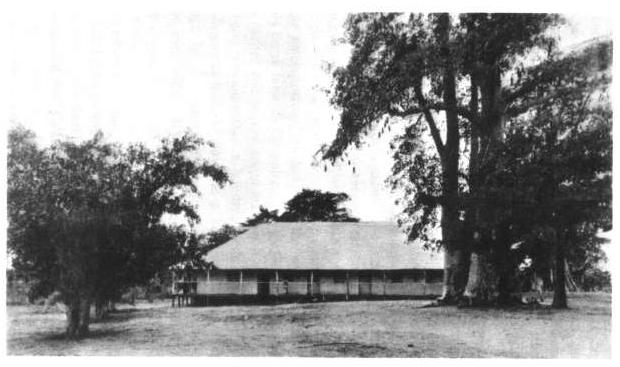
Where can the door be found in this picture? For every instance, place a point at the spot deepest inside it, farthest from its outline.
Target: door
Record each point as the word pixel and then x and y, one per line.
pixel 263 285
pixel 365 283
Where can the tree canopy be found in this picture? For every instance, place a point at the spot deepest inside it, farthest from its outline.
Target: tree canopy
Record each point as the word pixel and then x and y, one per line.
pixel 264 215
pixel 307 206
pixel 551 176
pixel 456 84
pixel 316 206
pixel 84 218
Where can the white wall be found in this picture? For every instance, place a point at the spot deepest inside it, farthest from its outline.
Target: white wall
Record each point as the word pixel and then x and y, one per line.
pixel 293 285
pixel 327 286
pixel 324 284
pixel 219 284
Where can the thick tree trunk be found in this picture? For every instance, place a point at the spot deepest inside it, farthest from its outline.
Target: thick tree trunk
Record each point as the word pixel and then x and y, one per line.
pixel 508 291
pixel 454 274
pixel 483 279
pixel 73 319
pixel 101 308
pixel 474 278
pixel 78 317
pixel 84 317
pixel 559 286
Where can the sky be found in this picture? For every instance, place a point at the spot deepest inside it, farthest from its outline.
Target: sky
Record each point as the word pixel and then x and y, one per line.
pixel 253 84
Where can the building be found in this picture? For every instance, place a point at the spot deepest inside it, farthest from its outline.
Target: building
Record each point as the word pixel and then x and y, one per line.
pixel 318 260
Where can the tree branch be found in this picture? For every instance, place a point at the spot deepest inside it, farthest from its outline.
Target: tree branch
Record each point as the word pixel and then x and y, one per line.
pixel 431 123
pixel 437 106
pixel 528 86
pixel 518 108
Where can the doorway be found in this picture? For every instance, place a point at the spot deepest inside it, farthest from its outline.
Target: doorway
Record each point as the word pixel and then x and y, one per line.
pixel 263 280
pixel 365 283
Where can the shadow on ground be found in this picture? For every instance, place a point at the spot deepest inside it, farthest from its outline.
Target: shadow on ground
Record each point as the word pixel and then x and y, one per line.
pixel 93 335
pixel 392 328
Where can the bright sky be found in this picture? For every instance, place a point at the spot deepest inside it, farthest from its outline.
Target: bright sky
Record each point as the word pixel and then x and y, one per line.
pixel 251 83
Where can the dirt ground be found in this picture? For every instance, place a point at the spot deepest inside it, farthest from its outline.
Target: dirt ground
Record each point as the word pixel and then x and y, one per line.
pixel 337 329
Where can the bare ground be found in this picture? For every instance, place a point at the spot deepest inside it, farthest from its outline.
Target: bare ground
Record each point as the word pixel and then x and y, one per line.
pixel 337 329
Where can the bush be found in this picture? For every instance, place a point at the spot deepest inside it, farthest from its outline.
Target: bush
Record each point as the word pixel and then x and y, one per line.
pixel 597 280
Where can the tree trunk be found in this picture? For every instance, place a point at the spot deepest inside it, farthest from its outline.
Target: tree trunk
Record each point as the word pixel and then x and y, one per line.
pixel 454 275
pixel 571 285
pixel 559 286
pixel 101 308
pixel 73 319
pixel 454 257
pixel 508 291
pixel 84 317
pixel 483 280
pixel 474 278
pixel 78 317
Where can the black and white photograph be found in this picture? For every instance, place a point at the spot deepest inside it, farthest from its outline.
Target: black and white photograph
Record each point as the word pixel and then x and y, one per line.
pixel 326 182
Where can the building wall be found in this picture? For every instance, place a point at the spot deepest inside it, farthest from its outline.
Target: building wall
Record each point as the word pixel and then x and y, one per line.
pixel 222 283
pixel 433 288
pixel 354 284
pixel 325 283
pixel 290 283
pixel 405 288
pixel 298 284
pixel 329 286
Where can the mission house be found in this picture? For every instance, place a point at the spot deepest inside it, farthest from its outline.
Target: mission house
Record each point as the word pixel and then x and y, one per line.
pixel 316 261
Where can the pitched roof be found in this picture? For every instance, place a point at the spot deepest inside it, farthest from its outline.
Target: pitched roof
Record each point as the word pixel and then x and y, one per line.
pixel 324 245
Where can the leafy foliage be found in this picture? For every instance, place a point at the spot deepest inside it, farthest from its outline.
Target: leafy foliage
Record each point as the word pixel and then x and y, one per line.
pixel 222 235
pixel 191 259
pixel 264 215
pixel 553 172
pixel 465 85
pixel 306 206
pixel 398 71
pixel 596 279
pixel 316 206
pixel 84 219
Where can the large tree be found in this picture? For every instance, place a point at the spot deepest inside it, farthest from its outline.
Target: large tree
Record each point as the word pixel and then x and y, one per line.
pixel 550 183
pixel 454 82
pixel 84 219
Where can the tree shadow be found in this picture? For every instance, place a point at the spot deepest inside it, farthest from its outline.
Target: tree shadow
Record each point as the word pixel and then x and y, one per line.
pixel 61 337
pixel 119 316
pixel 124 311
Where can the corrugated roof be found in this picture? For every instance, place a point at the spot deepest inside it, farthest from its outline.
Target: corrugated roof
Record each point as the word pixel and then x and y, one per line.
pixel 324 245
